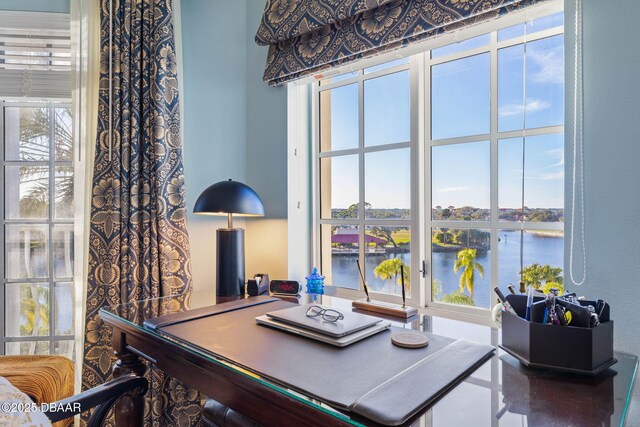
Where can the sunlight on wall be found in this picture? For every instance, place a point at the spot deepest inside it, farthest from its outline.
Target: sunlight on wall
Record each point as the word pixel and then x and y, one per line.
pixel 266 248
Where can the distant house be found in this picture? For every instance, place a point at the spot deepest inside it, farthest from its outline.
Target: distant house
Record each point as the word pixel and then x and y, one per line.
pixel 350 236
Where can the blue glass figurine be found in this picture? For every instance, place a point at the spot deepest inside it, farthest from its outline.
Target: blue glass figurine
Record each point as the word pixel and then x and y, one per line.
pixel 315 284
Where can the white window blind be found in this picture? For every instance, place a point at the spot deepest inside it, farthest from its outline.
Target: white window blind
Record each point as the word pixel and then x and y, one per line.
pixel 35 55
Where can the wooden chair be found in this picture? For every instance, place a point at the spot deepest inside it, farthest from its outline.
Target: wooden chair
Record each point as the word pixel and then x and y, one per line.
pixel 50 379
pixel 102 398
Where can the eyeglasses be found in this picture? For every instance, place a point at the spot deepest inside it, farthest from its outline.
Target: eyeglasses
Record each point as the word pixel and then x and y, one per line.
pixel 327 314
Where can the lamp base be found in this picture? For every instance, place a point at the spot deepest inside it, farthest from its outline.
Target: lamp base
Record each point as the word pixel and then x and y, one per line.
pixel 230 267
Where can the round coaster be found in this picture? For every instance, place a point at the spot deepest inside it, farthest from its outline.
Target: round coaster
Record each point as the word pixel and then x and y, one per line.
pixel 409 340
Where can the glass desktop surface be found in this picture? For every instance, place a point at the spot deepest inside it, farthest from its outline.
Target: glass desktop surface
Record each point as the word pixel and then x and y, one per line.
pixel 499 393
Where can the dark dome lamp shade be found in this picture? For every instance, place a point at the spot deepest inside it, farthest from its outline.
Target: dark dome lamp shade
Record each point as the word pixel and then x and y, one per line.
pixel 229 198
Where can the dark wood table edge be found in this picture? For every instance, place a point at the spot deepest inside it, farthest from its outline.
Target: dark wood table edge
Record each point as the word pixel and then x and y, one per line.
pixel 222 383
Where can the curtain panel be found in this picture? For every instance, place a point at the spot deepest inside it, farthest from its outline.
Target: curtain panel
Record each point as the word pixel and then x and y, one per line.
pixel 308 36
pixel 138 239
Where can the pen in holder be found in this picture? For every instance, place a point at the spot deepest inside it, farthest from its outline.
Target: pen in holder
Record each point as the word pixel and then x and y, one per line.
pixel 383 307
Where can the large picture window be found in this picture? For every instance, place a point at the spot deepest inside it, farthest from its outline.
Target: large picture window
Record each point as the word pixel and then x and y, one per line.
pixel 37 204
pixel 365 180
pixel 448 163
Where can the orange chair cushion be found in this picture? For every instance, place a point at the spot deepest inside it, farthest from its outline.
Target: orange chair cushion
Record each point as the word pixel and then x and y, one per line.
pixel 45 379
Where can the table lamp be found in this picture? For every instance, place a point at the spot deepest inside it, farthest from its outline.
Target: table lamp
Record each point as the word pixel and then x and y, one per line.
pixel 229 198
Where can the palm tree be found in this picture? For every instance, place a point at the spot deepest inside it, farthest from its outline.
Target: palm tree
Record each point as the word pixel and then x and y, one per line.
pixel 458 298
pixel 535 274
pixel 386 270
pixel 35 125
pixel 467 262
pixel 390 269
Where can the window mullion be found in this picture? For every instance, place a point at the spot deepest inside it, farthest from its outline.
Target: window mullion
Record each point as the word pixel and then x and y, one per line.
pixel 3 260
pixel 428 143
pixel 416 73
pixel 52 199
pixel 493 181
pixel 361 176
pixel 539 35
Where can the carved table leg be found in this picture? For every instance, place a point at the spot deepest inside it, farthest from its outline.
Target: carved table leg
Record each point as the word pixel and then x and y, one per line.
pixel 129 410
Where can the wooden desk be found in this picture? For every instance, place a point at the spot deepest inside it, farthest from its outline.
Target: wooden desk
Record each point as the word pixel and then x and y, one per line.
pixel 500 393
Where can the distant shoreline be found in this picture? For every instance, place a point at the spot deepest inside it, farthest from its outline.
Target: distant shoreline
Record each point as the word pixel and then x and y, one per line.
pixel 546 233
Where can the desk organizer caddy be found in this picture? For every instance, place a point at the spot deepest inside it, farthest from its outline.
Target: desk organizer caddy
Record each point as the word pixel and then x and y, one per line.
pixel 578 350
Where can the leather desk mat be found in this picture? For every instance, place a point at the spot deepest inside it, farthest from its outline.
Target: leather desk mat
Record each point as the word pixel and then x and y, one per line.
pixel 372 377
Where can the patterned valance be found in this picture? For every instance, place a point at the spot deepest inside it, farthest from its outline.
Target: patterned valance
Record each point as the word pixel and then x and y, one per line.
pixel 308 36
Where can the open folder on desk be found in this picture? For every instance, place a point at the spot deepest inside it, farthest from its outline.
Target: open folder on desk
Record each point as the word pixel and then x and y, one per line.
pixel 374 375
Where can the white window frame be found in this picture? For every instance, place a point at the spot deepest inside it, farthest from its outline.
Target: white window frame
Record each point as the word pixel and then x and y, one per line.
pixel 303 159
pixel 50 222
pixel 413 297
pixel 35 81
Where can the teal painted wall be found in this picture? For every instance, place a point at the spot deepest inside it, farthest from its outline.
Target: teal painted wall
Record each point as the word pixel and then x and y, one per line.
pixel 213 43
pixel 214 70
pixel 36 5
pixel 612 155
pixel 266 161
pixel 266 125
pixel 234 127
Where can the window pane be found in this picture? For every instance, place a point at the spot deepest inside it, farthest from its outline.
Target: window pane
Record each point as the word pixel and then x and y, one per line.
pixel 27 309
pixel 63 134
pixel 545 85
pixel 540 24
pixel 33 347
pixel 63 250
pixel 460 182
pixel 543 258
pixel 64 207
pixel 26 251
pixel 339 254
pixel 65 348
pixel 545 82
pixel 26 192
pixel 543 178
pixel 510 179
pixel 389 64
pixel 339 192
pixel 26 133
pixel 511 32
pixel 461 266
pixel 468 44
pixel 339 118
pixel 460 97
pixel 387 249
pixel 386 109
pixel 338 78
pixel 388 184
pixel 510 92
pixel 63 305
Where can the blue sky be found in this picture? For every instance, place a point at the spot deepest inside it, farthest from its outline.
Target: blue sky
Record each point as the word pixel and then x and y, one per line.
pixel 460 107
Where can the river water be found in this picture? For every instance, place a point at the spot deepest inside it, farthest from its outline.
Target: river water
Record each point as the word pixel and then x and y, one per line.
pixel 541 249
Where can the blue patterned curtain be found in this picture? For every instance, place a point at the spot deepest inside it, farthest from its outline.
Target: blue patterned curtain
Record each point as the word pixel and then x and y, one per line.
pixel 308 36
pixel 139 245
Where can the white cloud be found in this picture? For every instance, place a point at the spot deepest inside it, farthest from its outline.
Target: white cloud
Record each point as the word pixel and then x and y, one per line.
pixel 550 63
pixel 557 153
pixel 555 165
pixel 532 105
pixel 548 176
pixel 451 189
